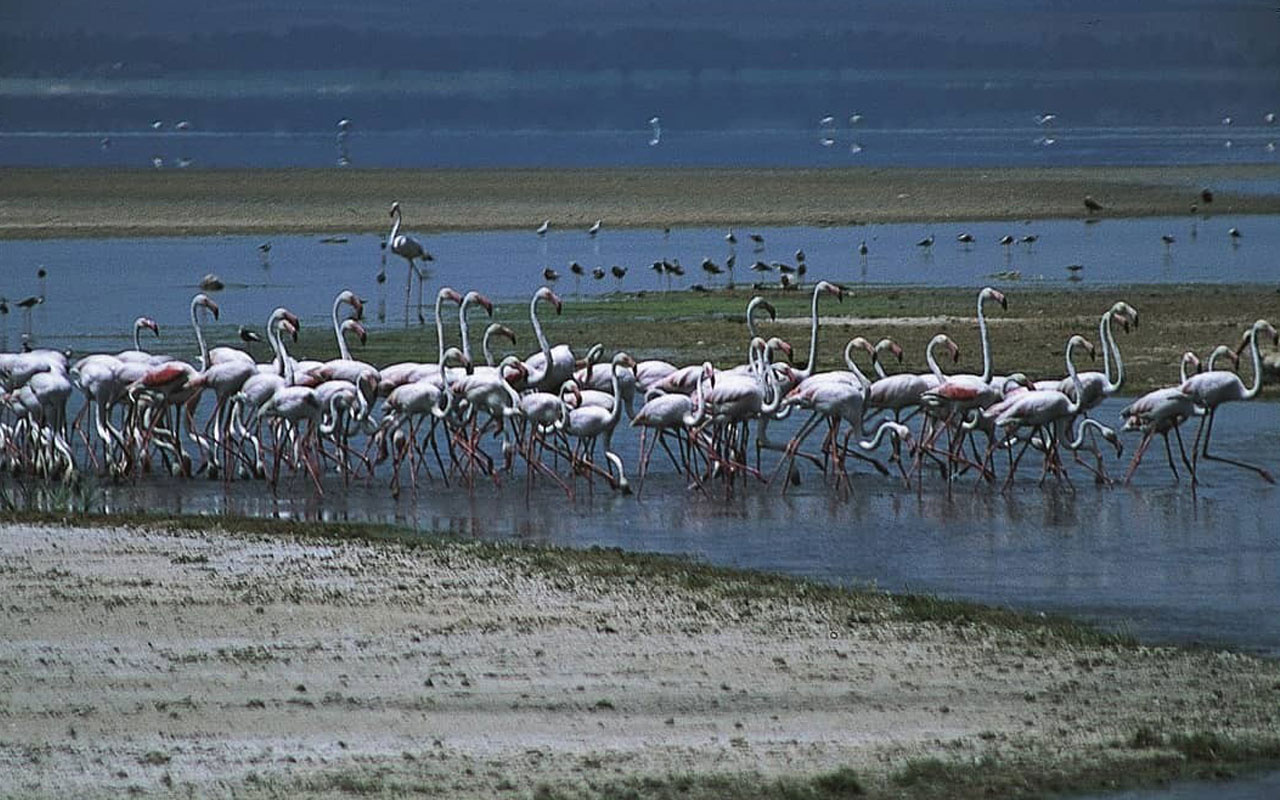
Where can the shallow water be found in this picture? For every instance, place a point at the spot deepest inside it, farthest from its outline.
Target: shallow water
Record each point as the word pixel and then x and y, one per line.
pixel 1152 559
pixel 1014 145
pixel 96 288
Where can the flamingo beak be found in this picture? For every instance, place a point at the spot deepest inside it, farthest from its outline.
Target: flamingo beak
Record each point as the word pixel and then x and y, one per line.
pixel 212 306
pixel 896 349
pixel 357 308
pixel 773 314
pixel 487 304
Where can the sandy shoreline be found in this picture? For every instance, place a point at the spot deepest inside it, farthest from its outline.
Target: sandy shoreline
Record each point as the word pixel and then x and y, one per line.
pixel 45 203
pixel 173 661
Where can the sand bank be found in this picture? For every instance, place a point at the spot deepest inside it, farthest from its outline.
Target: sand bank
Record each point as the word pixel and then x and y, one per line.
pixel 42 203
pixel 201 662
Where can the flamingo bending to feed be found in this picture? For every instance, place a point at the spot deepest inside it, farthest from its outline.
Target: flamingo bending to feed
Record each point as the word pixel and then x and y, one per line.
pixel 1164 410
pixel 672 414
pixel 588 423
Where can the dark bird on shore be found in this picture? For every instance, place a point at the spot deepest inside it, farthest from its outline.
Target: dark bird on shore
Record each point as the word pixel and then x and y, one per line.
pixel 730 261
pixel 4 305
pixel 550 274
pixel 543 228
pixel 597 273
pixel 659 267
pixel 758 240
pixel 576 268
pixel 785 282
pixel 862 248
pixel 801 269
pixel 760 266
pixel 710 267
pixel 926 241
pixel 799 256
pixel 1091 204
pixel 211 283
pixel 247 334
pixel 965 238
pixel 730 237
pixel 618 272
pixel 673 268
pixel 1206 194
pixel 697 287
pixel 1006 239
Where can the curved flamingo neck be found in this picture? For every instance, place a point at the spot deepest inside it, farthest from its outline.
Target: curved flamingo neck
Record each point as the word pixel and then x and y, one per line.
pixel 484 347
pixel 615 413
pixel 1188 358
pixel 1085 423
pixel 813 331
pixel 853 365
pixel 343 351
pixel 137 335
pixel 986 342
pixel 1109 348
pixel 888 426
pixel 699 411
pixel 204 349
pixel 751 315
pixel 463 327
pixel 286 363
pixel 1073 406
pixel 543 344
pixel 395 227
pixel 1252 392
pixel 439 332
pixel 933 362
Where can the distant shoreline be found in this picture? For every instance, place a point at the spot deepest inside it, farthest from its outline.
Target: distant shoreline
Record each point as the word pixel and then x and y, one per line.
pixel 42 203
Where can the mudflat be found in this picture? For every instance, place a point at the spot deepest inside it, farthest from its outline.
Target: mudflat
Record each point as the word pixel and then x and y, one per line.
pixel 171 661
pixel 45 203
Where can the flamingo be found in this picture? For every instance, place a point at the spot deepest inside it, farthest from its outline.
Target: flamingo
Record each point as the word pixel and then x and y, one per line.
pixel 1161 411
pixel 1044 409
pixel 410 403
pixel 551 366
pixel 587 423
pixel 1211 389
pixel 902 391
pixel 671 413
pixel 410 249
pixel 137 353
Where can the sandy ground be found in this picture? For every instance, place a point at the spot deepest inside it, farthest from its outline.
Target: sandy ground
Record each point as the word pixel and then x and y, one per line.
pixel 41 203
pixel 208 663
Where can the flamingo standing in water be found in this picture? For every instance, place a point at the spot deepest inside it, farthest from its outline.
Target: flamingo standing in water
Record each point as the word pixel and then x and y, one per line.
pixel 411 250
pixel 1161 411
pixel 1211 389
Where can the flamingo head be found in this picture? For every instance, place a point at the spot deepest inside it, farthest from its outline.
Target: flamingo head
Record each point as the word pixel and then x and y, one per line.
pixel 204 301
pixel 994 294
pixel 952 348
pixel 623 359
pixel 1191 360
pixel 288 327
pixel 1079 341
pixel 1127 314
pixel 476 297
pixel 893 347
pixel 148 323
pixel 551 297
pixel 446 293
pixel 593 356
pixel 498 329
pixel 513 369
pixel 830 288
pixel 767 306
pixel 779 345
pixel 352 299
pixel 454 357
pixel 395 208
pixel 354 326
pixel 1014 380
pixel 861 343
pixel 709 373
pixel 1110 435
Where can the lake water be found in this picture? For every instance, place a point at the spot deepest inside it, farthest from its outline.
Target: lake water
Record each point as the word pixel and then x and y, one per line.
pixel 95 288
pixel 1015 145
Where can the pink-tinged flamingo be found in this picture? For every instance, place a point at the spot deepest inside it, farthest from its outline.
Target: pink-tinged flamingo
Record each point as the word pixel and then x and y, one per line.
pixel 899 392
pixel 495 329
pixel 672 414
pixel 467 300
pixel 1211 389
pixel 411 250
pixel 258 388
pixel 1161 411
pixel 137 353
pixel 550 366
pixel 952 398
pixel 588 423
pixel 408 405
pixel 1044 410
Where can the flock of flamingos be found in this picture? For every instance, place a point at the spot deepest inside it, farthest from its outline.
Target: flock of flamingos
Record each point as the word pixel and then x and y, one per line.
pixel 556 408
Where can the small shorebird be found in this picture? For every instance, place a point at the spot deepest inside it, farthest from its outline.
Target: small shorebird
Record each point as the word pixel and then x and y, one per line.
pixel 551 275
pixel 1091 204
pixel 543 228
pixel 926 242
pixel 594 229
pixel 862 248
pixel 965 238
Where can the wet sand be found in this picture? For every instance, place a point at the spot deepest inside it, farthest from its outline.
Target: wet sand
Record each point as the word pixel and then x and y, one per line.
pixel 45 203
pixel 178 662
